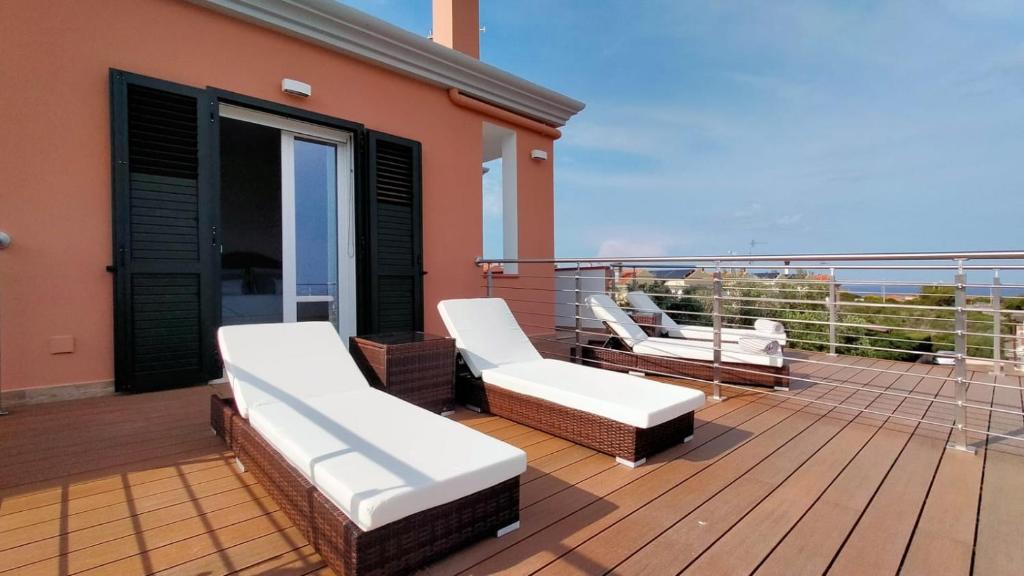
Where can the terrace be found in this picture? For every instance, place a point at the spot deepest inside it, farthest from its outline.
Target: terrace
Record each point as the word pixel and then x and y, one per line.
pixel 865 465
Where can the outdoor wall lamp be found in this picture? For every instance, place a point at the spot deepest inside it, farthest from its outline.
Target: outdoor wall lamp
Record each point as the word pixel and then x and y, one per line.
pixel 296 88
pixel 5 239
pixel 538 154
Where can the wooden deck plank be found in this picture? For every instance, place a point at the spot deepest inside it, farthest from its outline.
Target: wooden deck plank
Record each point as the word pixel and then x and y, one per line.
pixel 64 523
pixel 79 538
pixel 243 555
pixel 998 549
pixel 943 540
pixel 179 465
pixel 828 522
pixel 83 465
pixel 743 476
pixel 196 481
pixel 298 562
pixel 879 538
pixel 136 549
pixel 590 492
pixel 751 540
pixel 576 525
pixel 782 485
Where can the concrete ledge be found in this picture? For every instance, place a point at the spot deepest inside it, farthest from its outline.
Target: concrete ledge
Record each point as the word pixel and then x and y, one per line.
pixel 44 394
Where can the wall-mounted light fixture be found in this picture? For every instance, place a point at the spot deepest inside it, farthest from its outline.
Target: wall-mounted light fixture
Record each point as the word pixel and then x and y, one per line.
pixel 5 240
pixel 296 88
pixel 538 154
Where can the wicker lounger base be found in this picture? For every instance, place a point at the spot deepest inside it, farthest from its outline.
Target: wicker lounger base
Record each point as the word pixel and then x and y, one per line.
pixel 396 548
pixel 615 358
pixel 627 443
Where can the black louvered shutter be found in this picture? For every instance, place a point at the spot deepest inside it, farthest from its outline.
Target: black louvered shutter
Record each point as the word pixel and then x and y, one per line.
pixel 162 235
pixel 395 269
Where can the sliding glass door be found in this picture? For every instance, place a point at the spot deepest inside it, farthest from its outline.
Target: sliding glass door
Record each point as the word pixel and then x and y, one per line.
pixel 307 272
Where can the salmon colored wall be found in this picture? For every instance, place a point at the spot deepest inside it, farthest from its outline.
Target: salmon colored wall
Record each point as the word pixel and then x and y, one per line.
pixel 55 195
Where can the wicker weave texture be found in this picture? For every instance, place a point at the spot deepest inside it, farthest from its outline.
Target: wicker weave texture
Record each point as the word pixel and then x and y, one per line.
pixel 649 322
pixel 623 360
pixel 400 547
pixel 286 485
pixel 396 548
pixel 222 412
pixel 421 373
pixel 601 434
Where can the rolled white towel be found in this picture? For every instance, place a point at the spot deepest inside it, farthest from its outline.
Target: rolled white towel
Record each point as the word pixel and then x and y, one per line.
pixel 760 345
pixel 769 326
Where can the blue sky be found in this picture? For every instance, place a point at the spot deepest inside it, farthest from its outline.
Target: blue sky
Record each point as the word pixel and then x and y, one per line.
pixel 806 126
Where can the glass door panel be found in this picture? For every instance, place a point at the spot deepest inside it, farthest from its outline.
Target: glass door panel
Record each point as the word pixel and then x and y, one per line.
pixel 318 235
pixel 288 225
pixel 316 231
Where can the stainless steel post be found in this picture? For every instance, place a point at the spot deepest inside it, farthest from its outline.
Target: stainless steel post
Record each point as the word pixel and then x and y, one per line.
pixel 579 320
pixel 716 319
pixel 833 311
pixel 490 281
pixel 997 324
pixel 958 437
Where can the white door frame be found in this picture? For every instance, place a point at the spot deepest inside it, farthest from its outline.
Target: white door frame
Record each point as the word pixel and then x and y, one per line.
pixel 342 141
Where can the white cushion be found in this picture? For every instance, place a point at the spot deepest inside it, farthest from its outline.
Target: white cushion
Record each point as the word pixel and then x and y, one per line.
pixel 728 334
pixel 643 303
pixel 763 327
pixel 704 350
pixel 628 399
pixel 486 333
pixel 769 326
pixel 279 362
pixel 609 312
pixel 380 459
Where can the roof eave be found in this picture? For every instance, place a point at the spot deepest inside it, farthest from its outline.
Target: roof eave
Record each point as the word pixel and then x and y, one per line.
pixel 344 29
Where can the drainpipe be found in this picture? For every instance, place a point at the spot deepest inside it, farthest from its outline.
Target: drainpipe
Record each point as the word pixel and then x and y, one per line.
pixel 463 101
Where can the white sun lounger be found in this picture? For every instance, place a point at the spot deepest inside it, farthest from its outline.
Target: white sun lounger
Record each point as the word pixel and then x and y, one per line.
pixel 750 360
pixel 306 416
pixel 763 327
pixel 625 416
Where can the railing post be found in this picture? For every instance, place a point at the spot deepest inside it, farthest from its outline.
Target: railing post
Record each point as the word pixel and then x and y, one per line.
pixel 997 324
pixel 958 439
pixel 579 320
pixel 490 280
pixel 716 319
pixel 833 311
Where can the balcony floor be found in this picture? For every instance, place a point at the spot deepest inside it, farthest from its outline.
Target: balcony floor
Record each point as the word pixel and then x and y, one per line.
pixel 769 484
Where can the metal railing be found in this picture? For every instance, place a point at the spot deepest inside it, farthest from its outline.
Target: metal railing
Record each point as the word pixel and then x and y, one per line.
pixel 955 308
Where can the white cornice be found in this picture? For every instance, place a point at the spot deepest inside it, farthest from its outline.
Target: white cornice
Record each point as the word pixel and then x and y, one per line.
pixel 349 31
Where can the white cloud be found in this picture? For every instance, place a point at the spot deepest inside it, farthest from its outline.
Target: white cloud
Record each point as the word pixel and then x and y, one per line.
pixel 639 246
pixel 750 211
pixel 787 220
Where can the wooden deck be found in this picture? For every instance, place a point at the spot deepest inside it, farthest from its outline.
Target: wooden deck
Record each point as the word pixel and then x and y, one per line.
pixel 769 485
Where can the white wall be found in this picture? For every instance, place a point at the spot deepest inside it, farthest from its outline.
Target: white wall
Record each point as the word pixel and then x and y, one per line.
pixel 592 280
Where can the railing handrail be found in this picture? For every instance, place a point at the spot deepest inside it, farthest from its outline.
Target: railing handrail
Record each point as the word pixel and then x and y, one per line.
pixel 784 258
pixel 819 305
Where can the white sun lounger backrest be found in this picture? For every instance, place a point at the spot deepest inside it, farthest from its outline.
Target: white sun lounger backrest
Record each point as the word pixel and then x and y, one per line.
pixel 486 333
pixel 286 361
pixel 642 302
pixel 609 312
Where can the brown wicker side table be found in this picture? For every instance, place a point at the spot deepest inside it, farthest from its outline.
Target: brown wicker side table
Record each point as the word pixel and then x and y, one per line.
pixel 414 366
